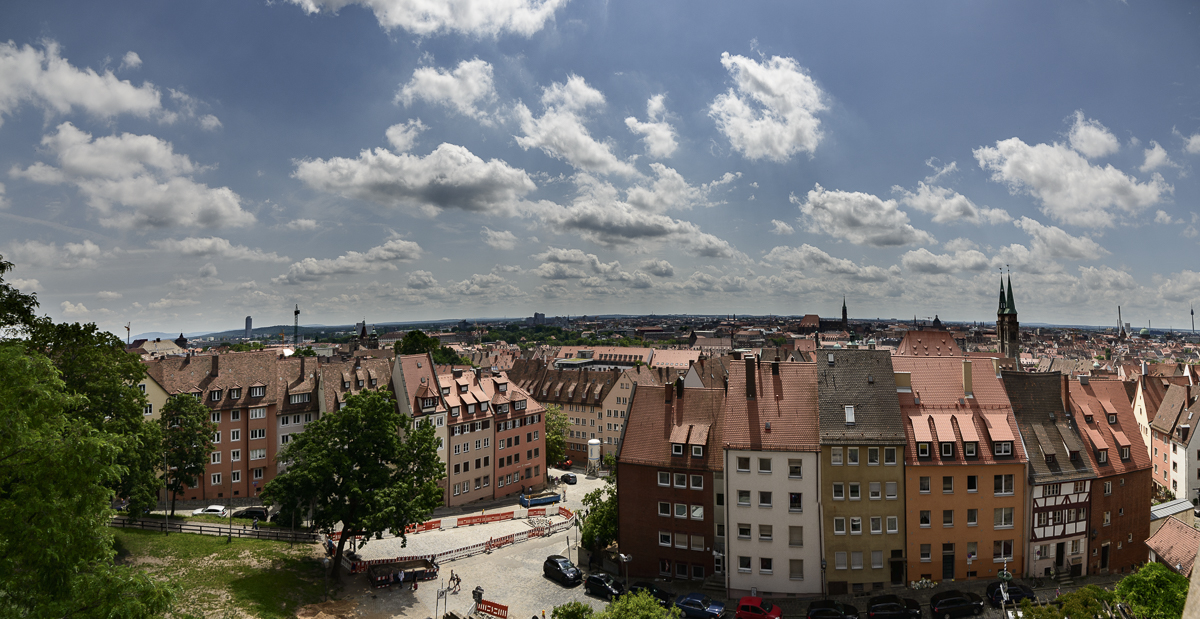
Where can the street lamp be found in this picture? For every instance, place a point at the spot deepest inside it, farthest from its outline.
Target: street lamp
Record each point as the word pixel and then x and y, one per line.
pixel 626 559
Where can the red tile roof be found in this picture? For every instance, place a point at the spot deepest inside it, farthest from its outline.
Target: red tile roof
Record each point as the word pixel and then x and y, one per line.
pixel 1100 432
pixel 1175 543
pixel 655 422
pixel 788 401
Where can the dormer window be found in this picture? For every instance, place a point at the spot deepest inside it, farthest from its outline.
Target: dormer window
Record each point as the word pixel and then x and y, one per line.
pixel 1002 448
pixel 970 449
pixel 445 391
pixel 947 450
pixel 1112 419
pixel 463 389
pixel 299 398
pixel 923 450
pixel 697 451
pixel 1074 456
pixel 1124 453
pixel 258 392
pixel 483 407
pixel 470 409
pixel 1050 458
pixel 428 402
pixel 235 393
pixel 374 381
pixel 519 405
pixel 454 411
pixel 345 384
pixel 360 383
pixel 676 449
pixel 1102 456
pixel 503 387
pixel 850 415
pixel 215 395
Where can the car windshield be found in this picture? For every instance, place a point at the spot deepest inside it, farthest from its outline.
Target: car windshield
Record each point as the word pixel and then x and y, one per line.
pixel 705 601
pixel 767 606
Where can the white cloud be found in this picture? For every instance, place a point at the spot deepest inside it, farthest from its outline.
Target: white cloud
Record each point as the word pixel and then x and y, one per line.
pixel 208 122
pixel 135 181
pixel 1054 242
pixel 403 136
pixel 808 258
pixel 960 244
pixel 1156 157
pixel 46 79
pixel 861 218
pixel 469 17
pixel 463 89
pixel 781 227
pixel 421 280
pixel 1104 279
pixel 947 205
pixel 924 261
pixel 558 270
pixel 560 131
pixel 26 285
pixel 301 225
pixel 382 257
pixel 1090 138
pixel 939 171
pixel 3 199
pixel 83 255
pixel 1192 145
pixel 1181 286
pixel 771 111
pixel 108 295
pixel 670 191
pixel 658 134
pixel 71 309
pixel 1070 189
pixel 1163 217
pixel 216 247
pixel 499 239
pixel 658 267
pixel 170 303
pixel 130 61
pixel 449 177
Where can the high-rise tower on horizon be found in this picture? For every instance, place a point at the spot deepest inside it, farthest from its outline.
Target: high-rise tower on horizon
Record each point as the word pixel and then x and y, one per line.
pixel 249 328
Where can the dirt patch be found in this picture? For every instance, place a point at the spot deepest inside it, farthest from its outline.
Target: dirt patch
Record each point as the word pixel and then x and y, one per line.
pixel 333 609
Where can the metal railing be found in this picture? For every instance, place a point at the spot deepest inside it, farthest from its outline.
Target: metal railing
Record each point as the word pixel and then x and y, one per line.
pixel 282 535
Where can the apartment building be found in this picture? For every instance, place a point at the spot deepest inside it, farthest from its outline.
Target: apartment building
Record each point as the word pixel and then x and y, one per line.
pixel 771 534
pixel 964 469
pixel 1172 431
pixel 862 471
pixel 1061 477
pixel 1146 400
pixel 1122 490
pixel 668 493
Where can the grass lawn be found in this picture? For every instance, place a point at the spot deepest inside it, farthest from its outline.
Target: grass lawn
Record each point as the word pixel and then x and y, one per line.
pixel 259 578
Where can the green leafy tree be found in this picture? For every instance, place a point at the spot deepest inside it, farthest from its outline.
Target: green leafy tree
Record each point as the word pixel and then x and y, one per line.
pixel 572 610
pixel 1086 602
pixel 56 475
pixel 640 605
pixel 1154 592
pixel 16 308
pixel 366 467
pixel 307 351
pixel 94 364
pixel 187 434
pixel 417 343
pixel 556 434
pixel 600 527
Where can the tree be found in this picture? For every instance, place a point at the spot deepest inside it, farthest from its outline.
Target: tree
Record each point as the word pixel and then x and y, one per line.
pixel 417 343
pixel 556 434
pixel 56 475
pixel 366 467
pixel 640 605
pixel 1086 602
pixel 1154 592
pixel 600 526
pixel 572 610
pixel 16 309
pixel 307 351
pixel 187 434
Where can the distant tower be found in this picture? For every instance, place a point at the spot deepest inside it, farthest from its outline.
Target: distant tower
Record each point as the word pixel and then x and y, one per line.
pixel 181 341
pixel 1121 334
pixel 249 328
pixel 296 326
pixel 845 319
pixel 1007 327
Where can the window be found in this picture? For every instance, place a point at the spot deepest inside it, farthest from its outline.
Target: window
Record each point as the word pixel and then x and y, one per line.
pixel 1052 489
pixel 256 433
pixel 796 536
pixel 839 526
pixel 872 456
pixel 922 450
pixel 258 413
pixel 258 473
pixel 889 455
pixel 764 465
pixel 216 437
pixel 849 415
pixel 890 488
pixel 874 489
pixel 856 560
pixel 764 565
pixel 876 525
pixel 216 479
pixel 697 512
pixel 1107 488
pixel 215 395
pixel 855 493
pixel 893 524
pixel 743 464
pixel 258 454
pixel 972 550
pixel 835 456
pixel 681 480
pixel 697 542
pixel 765 532
pixel 1003 484
pixel 215 416
pixel 852 456
pixel 925 485
pixel 947 517
pixel 285 420
pixel 664 478
pixel 235 455
pixel 664 509
pixel 876 559
pixel 1107 518
pixel 215 457
pixel 720 498
pixel 1003 517
pixel 839 491
pixel 676 448
pixel 743 564
pixel 796 569
pixel 258 392
pixel 795 502
pixel 697 482
pixel 926 552
pixel 795 469
pixel 235 476
pixel 664 539
pixel 970 450
pixel 743 531
pixel 681 540
pixel 947 450
pixel 972 483
pixel 972 517
pixel 764 499
pixel 1003 448
pixel 839 560
pixel 947 484
pixel 697 451
pixel 743 497
pixel 1002 550
pixel 142 387
pixel 926 519
pixel 148 409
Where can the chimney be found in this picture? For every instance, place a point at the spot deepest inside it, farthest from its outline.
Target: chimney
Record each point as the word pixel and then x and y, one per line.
pixel 670 390
pixel 751 389
pixel 775 367
pixel 966 377
pixel 216 360
pixel 679 388
pixel 301 366
pixel 1066 391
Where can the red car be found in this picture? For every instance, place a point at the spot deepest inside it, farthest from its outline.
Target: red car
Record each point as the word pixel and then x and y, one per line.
pixel 565 464
pixel 756 608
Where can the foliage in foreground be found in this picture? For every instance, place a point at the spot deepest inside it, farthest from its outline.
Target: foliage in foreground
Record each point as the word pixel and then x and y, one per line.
pixel 1086 602
pixel 640 605
pixel 1154 592
pixel 556 434
pixel 600 526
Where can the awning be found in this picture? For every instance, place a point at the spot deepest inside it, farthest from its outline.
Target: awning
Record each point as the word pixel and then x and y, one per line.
pixel 998 427
pixel 944 427
pixel 966 427
pixel 920 424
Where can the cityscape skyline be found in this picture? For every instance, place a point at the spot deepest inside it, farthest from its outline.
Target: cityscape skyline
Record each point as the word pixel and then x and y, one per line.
pixel 178 166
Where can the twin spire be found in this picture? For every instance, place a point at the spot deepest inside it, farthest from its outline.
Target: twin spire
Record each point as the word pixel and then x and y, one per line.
pixel 1007 304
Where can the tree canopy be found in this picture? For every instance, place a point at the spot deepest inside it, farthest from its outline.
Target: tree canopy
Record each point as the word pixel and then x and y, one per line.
pixel 557 424
pixel 640 605
pixel 1154 592
pixel 1085 602
pixel 600 526
pixel 417 343
pixel 365 467
pixel 187 434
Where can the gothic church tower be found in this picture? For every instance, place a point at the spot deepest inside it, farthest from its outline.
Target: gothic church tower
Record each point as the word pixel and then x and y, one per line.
pixel 1007 327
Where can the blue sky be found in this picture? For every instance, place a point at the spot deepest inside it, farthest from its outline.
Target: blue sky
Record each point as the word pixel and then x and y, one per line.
pixel 182 165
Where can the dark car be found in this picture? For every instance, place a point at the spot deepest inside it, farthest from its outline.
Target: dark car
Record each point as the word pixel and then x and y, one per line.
pixel 603 585
pixel 893 607
pixel 699 606
pixel 1013 592
pixel 831 609
pixel 561 569
pixel 568 478
pixel 664 598
pixel 251 513
pixel 750 607
pixel 955 603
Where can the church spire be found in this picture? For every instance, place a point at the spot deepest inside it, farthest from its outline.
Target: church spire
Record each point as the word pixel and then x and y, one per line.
pixel 1003 302
pixel 1011 306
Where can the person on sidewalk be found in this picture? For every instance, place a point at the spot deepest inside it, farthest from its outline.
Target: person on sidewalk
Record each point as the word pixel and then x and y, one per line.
pixel 255 524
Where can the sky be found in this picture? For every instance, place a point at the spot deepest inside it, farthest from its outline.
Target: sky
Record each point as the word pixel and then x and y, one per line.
pixel 181 165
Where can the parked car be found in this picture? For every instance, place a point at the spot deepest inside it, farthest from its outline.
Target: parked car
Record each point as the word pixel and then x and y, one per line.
pixel 561 569
pixel 831 609
pixel 893 607
pixel 603 585
pixel 565 464
pixel 664 598
pixel 699 606
pixel 954 603
pixel 211 510
pixel 568 478
pixel 1015 593
pixel 251 513
pixel 756 608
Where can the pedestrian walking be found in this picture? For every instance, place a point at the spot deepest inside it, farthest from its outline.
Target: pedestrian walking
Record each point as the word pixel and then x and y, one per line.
pixel 255 524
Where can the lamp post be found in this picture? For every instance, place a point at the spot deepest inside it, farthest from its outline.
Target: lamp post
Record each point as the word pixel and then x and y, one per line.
pixel 626 559
pixel 325 563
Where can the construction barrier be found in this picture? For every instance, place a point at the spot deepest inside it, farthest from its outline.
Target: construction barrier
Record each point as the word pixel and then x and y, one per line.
pixel 424 526
pixel 499 611
pixel 535 511
pixel 483 519
pixel 565 513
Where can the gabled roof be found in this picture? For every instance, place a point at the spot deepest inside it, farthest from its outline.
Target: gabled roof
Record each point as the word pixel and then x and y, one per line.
pixel 928 344
pixel 654 421
pixel 1100 397
pixel 865 380
pixel 787 401
pixel 1175 543
pixel 1170 409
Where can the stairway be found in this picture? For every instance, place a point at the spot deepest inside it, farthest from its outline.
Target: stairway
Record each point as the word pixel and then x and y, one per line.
pixel 1063 578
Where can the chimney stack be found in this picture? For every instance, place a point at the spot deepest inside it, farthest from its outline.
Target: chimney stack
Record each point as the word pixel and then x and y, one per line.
pixel 670 390
pixel 216 368
pixel 679 388
pixel 775 367
pixel 968 389
pixel 751 388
